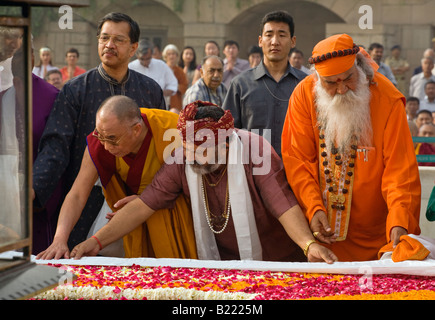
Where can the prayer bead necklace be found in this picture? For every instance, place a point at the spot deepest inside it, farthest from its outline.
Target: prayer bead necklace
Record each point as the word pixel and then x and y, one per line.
pixel 216 220
pixel 338 171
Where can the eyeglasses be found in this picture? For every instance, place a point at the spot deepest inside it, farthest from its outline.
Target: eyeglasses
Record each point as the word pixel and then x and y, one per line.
pixel 113 142
pixel 116 40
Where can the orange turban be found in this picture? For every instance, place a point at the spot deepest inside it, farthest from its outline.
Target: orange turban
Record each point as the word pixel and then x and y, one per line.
pixel 334 55
pixel 189 126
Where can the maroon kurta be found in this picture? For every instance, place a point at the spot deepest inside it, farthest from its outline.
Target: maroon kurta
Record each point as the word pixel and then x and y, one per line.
pixel 270 194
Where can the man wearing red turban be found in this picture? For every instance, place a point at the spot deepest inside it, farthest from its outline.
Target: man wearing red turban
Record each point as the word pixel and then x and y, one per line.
pixel 238 211
pixel 348 153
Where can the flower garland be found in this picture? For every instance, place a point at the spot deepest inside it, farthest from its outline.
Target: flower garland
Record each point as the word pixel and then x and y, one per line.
pixel 137 282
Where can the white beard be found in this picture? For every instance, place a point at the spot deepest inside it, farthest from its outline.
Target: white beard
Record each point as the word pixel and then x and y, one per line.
pixel 344 117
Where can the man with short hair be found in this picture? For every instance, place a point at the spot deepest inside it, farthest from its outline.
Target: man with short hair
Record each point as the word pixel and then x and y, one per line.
pixel 209 87
pixel 125 151
pixel 258 98
pixel 242 207
pixel 418 81
pixel 71 70
pixel 348 153
pixel 233 65
pixel 423 117
pixel 376 51
pixel 296 59
pixel 412 106
pixel 428 102
pixel 73 116
pixel 255 55
pixel 54 77
pixel 156 69
pixel 399 66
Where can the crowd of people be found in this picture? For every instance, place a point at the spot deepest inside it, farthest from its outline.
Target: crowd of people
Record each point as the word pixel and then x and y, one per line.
pixel 328 173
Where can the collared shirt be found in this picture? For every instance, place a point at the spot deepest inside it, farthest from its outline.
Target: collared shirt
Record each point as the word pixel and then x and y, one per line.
pixel 386 71
pixel 199 91
pixel 240 66
pixel 425 104
pixel 257 101
pixel 158 71
pixel 417 83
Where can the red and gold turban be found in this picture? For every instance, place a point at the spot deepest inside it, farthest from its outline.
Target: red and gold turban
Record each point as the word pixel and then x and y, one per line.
pixel 334 55
pixel 188 126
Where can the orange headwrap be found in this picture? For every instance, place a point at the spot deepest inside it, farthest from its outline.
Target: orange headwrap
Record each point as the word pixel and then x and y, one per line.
pixel 188 126
pixel 334 55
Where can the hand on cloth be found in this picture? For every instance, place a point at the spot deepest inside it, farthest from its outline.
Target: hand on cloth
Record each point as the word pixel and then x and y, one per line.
pixel 410 247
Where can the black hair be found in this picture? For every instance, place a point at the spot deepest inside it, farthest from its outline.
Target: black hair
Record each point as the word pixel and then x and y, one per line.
pixel 279 16
pixel 192 65
pixel 73 50
pixel 255 49
pixel 429 82
pixel 424 111
pixel 117 17
pixel 413 99
pixel 207 111
pixel 230 43
pixel 376 45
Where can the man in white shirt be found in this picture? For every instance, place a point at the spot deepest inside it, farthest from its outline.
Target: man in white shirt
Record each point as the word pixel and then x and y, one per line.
pixel 428 102
pixel 418 81
pixel 296 59
pixel 156 69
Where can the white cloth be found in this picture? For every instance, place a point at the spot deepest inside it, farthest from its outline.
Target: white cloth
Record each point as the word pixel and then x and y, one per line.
pixel 422 268
pixel 115 249
pixel 242 210
pixel 416 86
pixel 6 76
pixel 11 182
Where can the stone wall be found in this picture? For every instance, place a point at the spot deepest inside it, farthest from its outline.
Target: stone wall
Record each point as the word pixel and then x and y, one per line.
pixel 193 22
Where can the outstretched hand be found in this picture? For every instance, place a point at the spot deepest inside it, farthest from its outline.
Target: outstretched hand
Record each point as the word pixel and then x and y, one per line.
pixel 89 247
pixel 319 253
pixel 57 250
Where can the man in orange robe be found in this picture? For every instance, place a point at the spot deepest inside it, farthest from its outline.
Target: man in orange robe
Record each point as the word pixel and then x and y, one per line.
pixel 125 151
pixel 348 153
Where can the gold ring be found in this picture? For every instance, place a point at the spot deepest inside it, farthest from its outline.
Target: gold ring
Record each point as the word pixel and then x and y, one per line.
pixel 315 234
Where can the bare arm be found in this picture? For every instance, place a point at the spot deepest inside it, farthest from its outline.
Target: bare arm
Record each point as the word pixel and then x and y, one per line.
pixel 72 208
pixel 296 226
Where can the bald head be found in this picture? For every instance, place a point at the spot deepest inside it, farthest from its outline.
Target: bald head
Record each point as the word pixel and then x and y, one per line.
pixel 427 130
pixel 212 71
pixel 123 108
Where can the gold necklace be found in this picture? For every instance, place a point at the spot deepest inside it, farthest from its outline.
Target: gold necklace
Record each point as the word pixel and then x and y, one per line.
pixel 213 220
pixel 219 180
